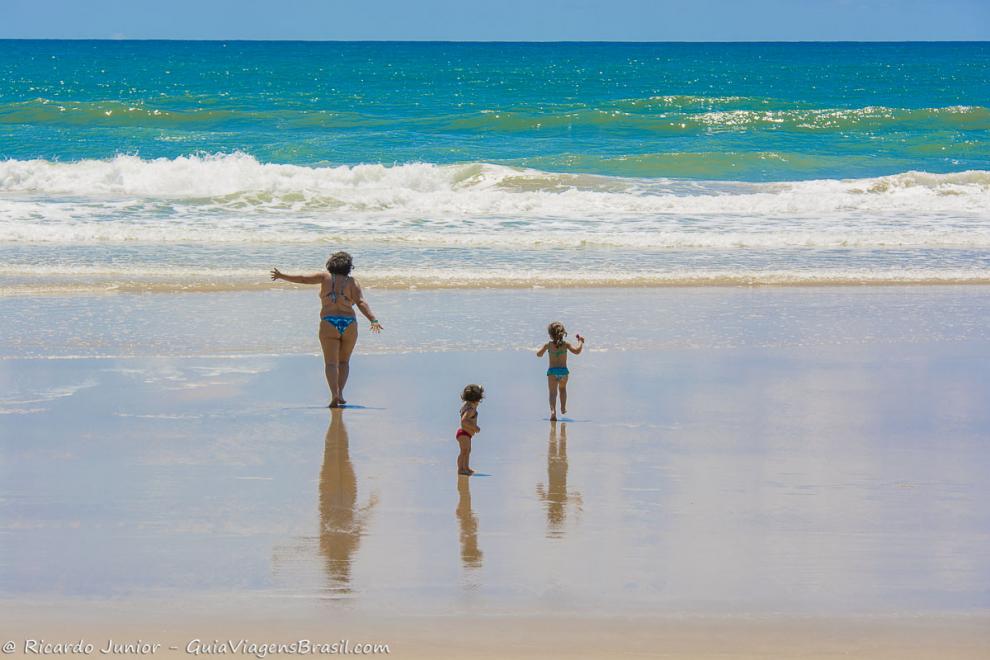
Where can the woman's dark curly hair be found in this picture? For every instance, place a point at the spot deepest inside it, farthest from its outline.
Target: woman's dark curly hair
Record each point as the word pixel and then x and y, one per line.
pixel 557 332
pixel 340 263
pixel 473 393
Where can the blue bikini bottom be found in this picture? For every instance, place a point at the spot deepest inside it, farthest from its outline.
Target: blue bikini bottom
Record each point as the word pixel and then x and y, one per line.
pixel 339 322
pixel 558 372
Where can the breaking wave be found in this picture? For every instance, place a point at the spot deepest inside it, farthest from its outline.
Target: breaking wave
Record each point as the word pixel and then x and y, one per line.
pixel 240 183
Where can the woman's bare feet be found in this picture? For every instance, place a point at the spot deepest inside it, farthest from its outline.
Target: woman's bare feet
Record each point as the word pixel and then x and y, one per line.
pixel 563 410
pixel 553 415
pixel 336 403
pixel 467 472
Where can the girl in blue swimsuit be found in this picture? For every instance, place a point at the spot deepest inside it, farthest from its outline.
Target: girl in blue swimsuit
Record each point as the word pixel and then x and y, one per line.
pixel 339 294
pixel 558 373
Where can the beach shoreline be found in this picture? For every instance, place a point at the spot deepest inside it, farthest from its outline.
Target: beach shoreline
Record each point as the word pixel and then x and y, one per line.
pixel 197 323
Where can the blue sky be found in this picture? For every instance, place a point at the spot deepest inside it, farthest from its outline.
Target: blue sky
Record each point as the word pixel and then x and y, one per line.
pixel 515 20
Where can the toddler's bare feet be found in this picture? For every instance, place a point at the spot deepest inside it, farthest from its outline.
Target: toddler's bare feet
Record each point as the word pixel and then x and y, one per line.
pixel 336 403
pixel 466 472
pixel 563 410
pixel 553 415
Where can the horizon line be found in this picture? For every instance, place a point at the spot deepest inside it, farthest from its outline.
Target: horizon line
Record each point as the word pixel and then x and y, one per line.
pixel 505 41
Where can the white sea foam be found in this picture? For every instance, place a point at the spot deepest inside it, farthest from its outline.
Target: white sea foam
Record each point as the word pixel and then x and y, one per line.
pixel 237 184
pixel 45 395
pixel 89 280
pixel 763 235
pixel 21 411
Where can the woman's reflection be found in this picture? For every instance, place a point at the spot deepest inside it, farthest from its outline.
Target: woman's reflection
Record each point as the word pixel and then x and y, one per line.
pixel 555 495
pixel 470 552
pixel 341 521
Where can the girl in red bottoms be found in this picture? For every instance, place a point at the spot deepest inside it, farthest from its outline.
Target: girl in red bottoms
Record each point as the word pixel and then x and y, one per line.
pixel 471 396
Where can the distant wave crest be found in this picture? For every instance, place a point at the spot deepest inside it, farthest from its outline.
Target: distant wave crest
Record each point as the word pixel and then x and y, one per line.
pixel 654 114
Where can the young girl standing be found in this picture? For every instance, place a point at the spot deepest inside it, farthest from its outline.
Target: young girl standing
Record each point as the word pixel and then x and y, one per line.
pixel 471 396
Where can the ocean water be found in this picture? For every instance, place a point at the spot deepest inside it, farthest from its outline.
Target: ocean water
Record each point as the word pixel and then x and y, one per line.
pixel 198 165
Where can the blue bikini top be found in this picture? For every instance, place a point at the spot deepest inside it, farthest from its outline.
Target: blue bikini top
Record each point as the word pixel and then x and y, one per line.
pixel 333 290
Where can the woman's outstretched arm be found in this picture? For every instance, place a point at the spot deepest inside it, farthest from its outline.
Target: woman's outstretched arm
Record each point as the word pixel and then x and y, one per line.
pixel 315 278
pixel 365 308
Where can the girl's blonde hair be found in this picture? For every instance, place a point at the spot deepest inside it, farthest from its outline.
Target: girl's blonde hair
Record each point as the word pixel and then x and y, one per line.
pixel 557 332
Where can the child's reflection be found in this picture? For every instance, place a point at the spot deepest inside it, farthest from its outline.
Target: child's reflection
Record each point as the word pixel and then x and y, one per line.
pixel 555 495
pixel 470 552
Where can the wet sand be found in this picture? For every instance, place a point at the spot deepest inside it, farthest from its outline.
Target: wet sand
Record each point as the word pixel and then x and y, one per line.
pixel 736 499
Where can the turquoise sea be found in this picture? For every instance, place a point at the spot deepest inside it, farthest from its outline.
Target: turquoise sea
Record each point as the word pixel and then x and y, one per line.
pixel 198 164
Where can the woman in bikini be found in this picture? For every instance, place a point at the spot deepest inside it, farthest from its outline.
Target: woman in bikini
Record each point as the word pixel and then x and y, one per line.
pixel 339 293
